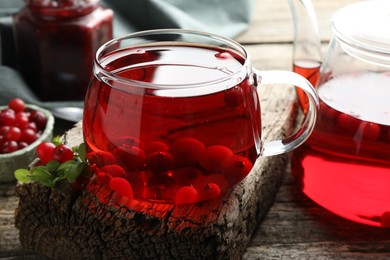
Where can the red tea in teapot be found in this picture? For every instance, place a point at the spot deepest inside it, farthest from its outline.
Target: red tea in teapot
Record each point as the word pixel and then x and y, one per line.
pixel 172 146
pixel 310 69
pixel 345 164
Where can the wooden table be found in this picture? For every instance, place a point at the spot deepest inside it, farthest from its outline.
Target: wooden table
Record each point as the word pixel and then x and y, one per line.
pixel 295 227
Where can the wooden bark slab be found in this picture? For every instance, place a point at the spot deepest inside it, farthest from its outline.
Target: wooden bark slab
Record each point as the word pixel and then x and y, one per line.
pixel 95 224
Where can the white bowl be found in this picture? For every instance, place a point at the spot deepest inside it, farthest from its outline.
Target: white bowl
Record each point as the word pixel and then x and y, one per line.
pixel 22 158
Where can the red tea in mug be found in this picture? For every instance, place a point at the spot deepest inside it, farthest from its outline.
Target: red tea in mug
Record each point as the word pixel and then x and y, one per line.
pixel 173 116
pixel 177 146
pixel 345 164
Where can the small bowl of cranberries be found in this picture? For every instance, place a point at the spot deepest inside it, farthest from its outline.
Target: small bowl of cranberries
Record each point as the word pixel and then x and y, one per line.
pixel 22 128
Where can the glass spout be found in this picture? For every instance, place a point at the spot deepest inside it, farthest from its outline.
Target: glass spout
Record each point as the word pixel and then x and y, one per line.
pixel 307 56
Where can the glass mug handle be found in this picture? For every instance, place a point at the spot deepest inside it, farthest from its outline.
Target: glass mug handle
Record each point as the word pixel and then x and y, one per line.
pixel 289 143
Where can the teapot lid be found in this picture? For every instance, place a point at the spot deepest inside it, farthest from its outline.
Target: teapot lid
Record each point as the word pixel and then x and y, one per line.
pixel 365 26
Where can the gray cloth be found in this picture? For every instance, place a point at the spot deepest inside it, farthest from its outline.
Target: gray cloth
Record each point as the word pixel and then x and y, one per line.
pixel 224 17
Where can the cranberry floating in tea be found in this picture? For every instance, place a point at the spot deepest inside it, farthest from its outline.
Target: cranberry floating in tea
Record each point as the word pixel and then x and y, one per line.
pixel 175 115
pixel 55 44
pixel 345 164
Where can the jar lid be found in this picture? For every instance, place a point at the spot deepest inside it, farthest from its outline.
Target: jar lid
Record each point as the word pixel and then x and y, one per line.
pixel 366 27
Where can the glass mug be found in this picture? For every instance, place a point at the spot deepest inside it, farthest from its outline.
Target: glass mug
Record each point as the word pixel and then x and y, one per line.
pixel 345 164
pixel 173 116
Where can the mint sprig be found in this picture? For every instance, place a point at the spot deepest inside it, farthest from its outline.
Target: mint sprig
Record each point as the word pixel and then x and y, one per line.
pixel 53 172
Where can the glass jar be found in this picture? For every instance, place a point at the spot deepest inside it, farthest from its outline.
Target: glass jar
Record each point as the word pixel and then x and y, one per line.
pixel 56 42
pixel 345 164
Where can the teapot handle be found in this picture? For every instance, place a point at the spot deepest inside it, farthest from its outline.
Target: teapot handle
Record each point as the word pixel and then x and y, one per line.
pixel 287 78
pixel 307 44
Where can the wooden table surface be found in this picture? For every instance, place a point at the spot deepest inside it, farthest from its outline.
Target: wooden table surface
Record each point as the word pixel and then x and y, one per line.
pixel 295 227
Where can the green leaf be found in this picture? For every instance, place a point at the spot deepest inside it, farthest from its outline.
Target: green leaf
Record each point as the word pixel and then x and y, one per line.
pixel 42 176
pixel 52 165
pixel 58 179
pixel 73 172
pixel 38 168
pixel 22 175
pixel 82 151
pixel 54 171
pixel 66 165
pixel 56 140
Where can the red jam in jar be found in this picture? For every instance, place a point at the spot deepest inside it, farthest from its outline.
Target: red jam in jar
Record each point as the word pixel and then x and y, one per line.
pixel 55 43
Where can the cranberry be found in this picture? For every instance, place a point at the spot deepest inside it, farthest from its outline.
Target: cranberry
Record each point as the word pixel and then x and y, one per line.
pixel 186 151
pixel 234 97
pixel 22 145
pixel 13 134
pixel 4 130
pixel 17 104
pixel 21 120
pixel 39 118
pixel 33 126
pixel 100 158
pixel 7 117
pixel 121 186
pixel 156 147
pixel 160 161
pixel 370 131
pixel 209 191
pixel 131 157
pixel 8 111
pixel 328 112
pixel 15 125
pixel 223 55
pixel 114 170
pixel 103 177
pixel 216 178
pixel 236 168
pixel 186 194
pixel 9 147
pixel 45 151
pixel 348 123
pixel 212 157
pixel 62 153
pixel 28 135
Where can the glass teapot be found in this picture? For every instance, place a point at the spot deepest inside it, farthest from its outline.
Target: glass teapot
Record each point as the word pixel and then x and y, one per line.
pixel 345 164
